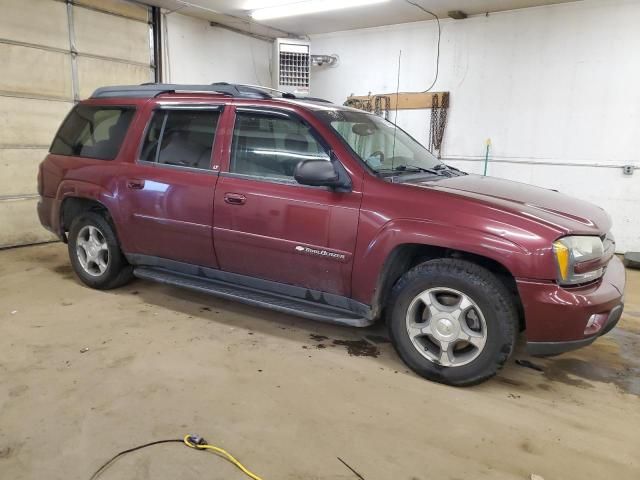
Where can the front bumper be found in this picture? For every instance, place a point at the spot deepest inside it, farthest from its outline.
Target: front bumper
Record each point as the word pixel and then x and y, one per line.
pixel 555 348
pixel 556 317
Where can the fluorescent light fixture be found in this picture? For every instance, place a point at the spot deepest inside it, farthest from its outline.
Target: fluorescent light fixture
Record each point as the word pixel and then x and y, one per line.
pixel 305 7
pixel 257 4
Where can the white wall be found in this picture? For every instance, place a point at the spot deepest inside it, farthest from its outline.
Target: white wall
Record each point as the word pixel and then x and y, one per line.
pixel 551 85
pixel 199 53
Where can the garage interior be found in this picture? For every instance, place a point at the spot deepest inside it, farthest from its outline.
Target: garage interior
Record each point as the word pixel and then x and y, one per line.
pixel 542 92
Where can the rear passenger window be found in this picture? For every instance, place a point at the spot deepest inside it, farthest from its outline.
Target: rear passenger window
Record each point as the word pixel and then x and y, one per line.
pixel 271 146
pixel 93 131
pixel 181 137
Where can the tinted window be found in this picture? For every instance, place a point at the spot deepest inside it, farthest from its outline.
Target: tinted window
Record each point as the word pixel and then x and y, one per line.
pixel 271 146
pixel 181 137
pixel 93 131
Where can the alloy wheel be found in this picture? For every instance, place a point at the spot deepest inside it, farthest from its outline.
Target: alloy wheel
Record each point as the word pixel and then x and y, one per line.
pixel 446 327
pixel 92 250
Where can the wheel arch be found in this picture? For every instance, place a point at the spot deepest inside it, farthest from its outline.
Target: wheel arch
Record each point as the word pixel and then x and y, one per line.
pixel 73 206
pixel 76 196
pixel 408 255
pixel 397 249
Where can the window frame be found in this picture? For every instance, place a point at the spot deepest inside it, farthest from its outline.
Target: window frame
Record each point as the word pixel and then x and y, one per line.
pixel 107 106
pixel 259 110
pixel 180 107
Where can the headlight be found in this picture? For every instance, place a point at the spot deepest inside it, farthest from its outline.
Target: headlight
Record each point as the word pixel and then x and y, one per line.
pixel 577 251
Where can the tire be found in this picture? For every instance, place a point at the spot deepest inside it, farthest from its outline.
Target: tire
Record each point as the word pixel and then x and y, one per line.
pixel 91 233
pixel 428 301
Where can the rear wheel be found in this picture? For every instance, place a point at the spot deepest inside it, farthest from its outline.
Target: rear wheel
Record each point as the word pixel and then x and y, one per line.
pixel 452 321
pixel 95 254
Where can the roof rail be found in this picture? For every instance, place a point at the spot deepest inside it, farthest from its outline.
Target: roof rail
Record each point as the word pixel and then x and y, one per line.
pixel 238 90
pixel 261 88
pixel 150 90
pixel 283 94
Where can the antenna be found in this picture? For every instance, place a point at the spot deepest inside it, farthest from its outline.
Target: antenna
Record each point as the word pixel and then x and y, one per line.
pixel 395 117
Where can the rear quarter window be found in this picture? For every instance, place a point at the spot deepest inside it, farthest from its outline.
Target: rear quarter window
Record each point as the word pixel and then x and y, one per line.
pixel 93 131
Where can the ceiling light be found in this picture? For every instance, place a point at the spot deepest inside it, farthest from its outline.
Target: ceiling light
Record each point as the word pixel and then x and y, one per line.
pixel 256 4
pixel 306 7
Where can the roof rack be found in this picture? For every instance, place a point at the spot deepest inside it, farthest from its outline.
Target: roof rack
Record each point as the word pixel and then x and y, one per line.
pixel 238 90
pixel 150 90
pixel 261 88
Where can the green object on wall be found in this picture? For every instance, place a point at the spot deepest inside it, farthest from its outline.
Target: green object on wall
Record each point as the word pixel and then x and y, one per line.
pixel 486 156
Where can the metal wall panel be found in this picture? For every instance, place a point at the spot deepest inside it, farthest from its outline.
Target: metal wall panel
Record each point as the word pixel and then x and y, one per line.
pixel 38 22
pixel 96 72
pixel 29 71
pixel 20 225
pixel 119 37
pixel 29 122
pixel 20 167
pixel 119 7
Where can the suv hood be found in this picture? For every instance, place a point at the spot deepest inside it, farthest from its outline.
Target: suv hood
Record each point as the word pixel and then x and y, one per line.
pixel 566 213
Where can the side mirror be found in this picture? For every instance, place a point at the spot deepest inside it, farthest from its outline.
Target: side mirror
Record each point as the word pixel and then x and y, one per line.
pixel 319 173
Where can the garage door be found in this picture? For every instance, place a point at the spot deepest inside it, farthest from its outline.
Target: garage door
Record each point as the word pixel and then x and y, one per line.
pixel 53 54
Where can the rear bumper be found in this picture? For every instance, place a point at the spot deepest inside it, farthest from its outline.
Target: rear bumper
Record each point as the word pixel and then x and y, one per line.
pixel 47 214
pixel 556 317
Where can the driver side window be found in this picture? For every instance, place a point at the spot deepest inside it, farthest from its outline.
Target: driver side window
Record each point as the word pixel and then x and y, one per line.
pixel 271 146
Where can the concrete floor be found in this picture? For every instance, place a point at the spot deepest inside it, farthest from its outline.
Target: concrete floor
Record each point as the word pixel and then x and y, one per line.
pixel 279 393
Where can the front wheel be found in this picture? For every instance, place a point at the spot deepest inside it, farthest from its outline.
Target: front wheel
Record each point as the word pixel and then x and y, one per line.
pixel 95 254
pixel 452 321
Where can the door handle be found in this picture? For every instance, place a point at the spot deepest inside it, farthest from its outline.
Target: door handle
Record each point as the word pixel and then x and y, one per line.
pixel 135 184
pixel 235 198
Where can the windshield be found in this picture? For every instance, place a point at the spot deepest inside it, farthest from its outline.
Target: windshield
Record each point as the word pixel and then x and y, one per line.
pixel 383 147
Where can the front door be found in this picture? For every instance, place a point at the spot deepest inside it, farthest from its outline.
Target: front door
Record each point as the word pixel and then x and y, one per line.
pixel 269 226
pixel 170 189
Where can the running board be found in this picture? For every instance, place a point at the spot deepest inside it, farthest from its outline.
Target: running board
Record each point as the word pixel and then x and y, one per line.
pixel 258 298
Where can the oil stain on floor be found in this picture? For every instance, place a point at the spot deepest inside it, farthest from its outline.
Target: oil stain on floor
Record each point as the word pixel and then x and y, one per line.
pixel 359 348
pixel 356 348
pixel 614 362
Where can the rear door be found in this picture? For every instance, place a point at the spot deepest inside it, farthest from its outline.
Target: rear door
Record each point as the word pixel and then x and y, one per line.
pixel 269 226
pixel 169 190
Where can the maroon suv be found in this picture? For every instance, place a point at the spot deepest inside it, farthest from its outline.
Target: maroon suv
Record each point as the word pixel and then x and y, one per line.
pixel 330 213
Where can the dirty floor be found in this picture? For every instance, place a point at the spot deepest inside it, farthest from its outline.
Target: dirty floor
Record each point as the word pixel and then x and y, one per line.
pixel 85 374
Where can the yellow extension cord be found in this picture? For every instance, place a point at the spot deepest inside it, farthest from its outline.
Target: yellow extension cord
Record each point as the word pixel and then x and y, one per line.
pixel 223 453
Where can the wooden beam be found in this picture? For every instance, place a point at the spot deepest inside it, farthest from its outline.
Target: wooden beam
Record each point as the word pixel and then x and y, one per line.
pixel 406 101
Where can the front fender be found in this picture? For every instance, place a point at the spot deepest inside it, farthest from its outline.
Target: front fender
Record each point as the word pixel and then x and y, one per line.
pixel 371 255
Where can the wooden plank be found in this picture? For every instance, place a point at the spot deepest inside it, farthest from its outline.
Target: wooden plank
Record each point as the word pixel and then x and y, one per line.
pixel 406 101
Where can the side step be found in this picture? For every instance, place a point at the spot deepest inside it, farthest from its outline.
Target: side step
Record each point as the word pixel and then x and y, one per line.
pixel 250 296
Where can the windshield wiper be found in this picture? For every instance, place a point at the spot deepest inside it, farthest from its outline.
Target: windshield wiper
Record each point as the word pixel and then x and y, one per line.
pixel 415 168
pixel 443 166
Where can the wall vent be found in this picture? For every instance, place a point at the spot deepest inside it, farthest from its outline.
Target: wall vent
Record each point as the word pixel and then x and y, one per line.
pixel 291 66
